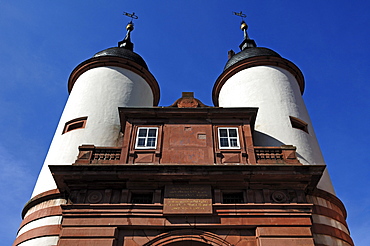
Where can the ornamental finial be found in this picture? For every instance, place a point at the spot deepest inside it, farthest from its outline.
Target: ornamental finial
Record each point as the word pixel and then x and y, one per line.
pixel 126 42
pixel 247 42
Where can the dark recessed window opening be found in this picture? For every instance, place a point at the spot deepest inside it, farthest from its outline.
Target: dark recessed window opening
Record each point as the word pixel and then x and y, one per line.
pixel 143 198
pixel 298 124
pixel 75 124
pixel 235 197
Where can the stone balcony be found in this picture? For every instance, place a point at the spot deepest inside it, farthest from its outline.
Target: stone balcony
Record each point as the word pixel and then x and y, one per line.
pixel 285 154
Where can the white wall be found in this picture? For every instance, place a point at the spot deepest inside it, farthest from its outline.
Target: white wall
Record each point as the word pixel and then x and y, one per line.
pixel 277 95
pixel 97 94
pixel 51 220
pixel 50 240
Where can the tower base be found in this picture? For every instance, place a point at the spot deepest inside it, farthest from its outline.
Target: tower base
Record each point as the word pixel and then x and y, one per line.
pixel 222 205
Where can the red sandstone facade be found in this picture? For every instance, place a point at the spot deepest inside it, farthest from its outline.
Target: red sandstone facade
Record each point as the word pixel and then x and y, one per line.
pixel 186 189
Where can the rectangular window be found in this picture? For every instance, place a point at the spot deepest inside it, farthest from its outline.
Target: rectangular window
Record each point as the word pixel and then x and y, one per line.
pixel 228 138
pixel 146 138
pixel 75 124
pixel 298 124
pixel 142 198
pixel 230 198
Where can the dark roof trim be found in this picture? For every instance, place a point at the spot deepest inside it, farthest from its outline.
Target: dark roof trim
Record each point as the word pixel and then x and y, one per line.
pixel 124 53
pixel 248 53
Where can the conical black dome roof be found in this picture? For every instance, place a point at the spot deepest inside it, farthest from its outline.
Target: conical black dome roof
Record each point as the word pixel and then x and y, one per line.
pixel 124 53
pixel 248 53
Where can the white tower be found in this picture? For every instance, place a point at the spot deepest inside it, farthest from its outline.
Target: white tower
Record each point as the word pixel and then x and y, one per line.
pixel 115 77
pixel 259 77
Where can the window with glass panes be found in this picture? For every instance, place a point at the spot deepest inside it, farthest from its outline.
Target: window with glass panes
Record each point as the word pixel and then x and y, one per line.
pixel 228 138
pixel 146 138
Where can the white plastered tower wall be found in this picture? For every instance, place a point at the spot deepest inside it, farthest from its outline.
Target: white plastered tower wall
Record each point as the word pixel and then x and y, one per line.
pixel 276 93
pixel 96 94
pixel 260 77
pixel 113 78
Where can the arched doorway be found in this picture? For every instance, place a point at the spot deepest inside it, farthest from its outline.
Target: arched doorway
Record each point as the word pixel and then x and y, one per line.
pixel 187 237
pixel 187 243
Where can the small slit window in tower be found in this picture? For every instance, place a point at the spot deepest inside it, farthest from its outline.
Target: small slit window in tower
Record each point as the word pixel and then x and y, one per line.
pixel 74 124
pixel 298 124
pixel 142 198
pixel 231 198
pixel 228 138
pixel 146 138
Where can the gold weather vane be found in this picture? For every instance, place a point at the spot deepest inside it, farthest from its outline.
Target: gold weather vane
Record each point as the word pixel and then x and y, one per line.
pixel 132 16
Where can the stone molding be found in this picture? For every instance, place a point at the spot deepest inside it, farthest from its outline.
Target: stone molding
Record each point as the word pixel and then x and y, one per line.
pixel 42 213
pixel 44 196
pixel 330 206
pixel 43 231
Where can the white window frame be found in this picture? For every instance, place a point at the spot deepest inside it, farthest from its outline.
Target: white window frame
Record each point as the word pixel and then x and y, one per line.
pixel 228 138
pixel 146 138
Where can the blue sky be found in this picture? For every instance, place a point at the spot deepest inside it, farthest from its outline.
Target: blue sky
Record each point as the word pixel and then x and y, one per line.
pixel 185 45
